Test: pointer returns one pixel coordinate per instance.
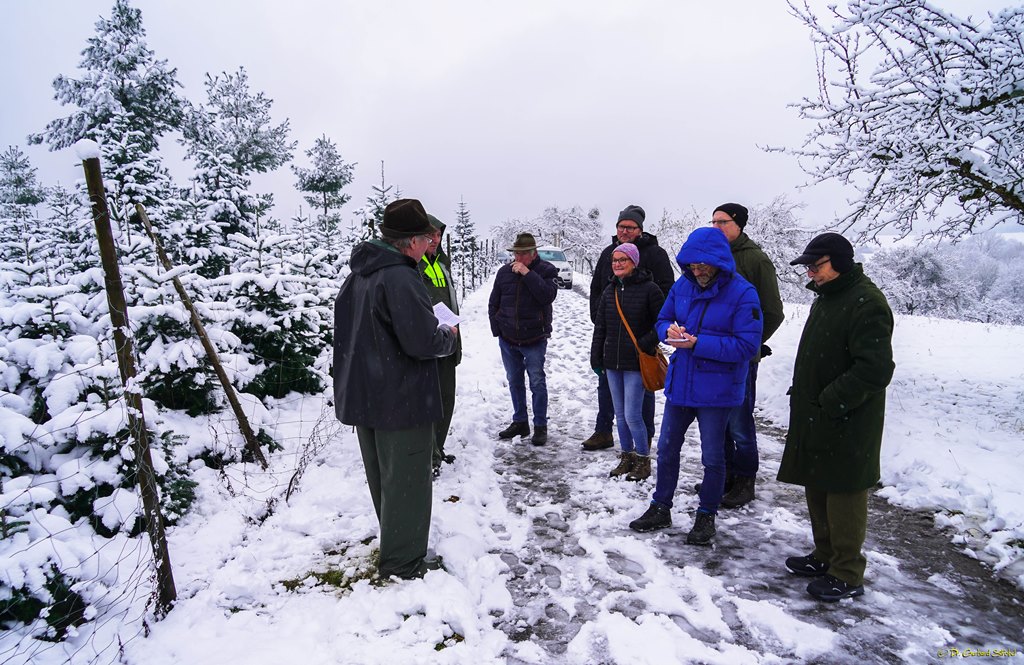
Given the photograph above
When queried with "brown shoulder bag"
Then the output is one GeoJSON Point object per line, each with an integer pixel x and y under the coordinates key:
{"type": "Point", "coordinates": [652, 367]}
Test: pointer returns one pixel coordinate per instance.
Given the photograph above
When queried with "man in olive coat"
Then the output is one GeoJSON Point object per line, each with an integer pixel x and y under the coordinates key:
{"type": "Point", "coordinates": [386, 342]}
{"type": "Point", "coordinates": [436, 268]}
{"type": "Point", "coordinates": [837, 410]}
{"type": "Point", "coordinates": [741, 457]}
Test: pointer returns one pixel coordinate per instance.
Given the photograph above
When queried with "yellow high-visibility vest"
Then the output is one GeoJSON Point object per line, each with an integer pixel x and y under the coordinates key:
{"type": "Point", "coordinates": [435, 273]}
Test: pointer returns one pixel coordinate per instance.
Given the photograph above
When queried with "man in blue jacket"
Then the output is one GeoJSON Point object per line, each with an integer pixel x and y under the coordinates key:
{"type": "Point", "coordinates": [519, 310]}
{"type": "Point", "coordinates": [713, 319]}
{"type": "Point", "coordinates": [386, 345]}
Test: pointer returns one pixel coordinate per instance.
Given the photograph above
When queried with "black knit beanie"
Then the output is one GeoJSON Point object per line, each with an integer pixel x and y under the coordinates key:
{"type": "Point", "coordinates": [736, 211]}
{"type": "Point", "coordinates": [633, 213]}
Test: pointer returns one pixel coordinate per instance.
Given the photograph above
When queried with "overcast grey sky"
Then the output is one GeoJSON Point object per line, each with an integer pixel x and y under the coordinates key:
{"type": "Point", "coordinates": [513, 106]}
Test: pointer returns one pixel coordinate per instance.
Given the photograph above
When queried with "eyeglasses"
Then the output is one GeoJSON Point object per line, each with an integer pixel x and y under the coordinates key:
{"type": "Point", "coordinates": [813, 268]}
{"type": "Point", "coordinates": [700, 267]}
{"type": "Point", "coordinates": [722, 222]}
{"type": "Point", "coordinates": [627, 227]}
{"type": "Point", "coordinates": [621, 261]}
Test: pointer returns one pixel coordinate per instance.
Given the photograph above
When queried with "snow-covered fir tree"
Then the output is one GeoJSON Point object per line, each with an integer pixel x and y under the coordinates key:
{"type": "Point", "coordinates": [125, 99]}
{"type": "Point", "coordinates": [322, 188]}
{"type": "Point", "coordinates": [274, 315]}
{"type": "Point", "coordinates": [468, 267]}
{"type": "Point", "coordinates": [372, 214]}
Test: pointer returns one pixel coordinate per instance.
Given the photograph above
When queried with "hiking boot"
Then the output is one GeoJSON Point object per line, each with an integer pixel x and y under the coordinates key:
{"type": "Point", "coordinates": [703, 529]}
{"type": "Point", "coordinates": [514, 430]}
{"type": "Point", "coordinates": [741, 494]}
{"type": "Point", "coordinates": [831, 589]}
{"type": "Point", "coordinates": [806, 566]}
{"type": "Point", "coordinates": [626, 462]}
{"type": "Point", "coordinates": [656, 517]}
{"type": "Point", "coordinates": [599, 441]}
{"type": "Point", "coordinates": [729, 481]}
{"type": "Point", "coordinates": [424, 566]}
{"type": "Point", "coordinates": [540, 435]}
{"type": "Point", "coordinates": [641, 469]}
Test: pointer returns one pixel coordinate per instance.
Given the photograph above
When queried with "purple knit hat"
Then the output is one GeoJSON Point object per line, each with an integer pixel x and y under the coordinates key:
{"type": "Point", "coordinates": [630, 250]}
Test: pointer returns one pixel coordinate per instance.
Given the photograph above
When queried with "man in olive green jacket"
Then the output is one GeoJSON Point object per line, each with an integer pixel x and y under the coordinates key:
{"type": "Point", "coordinates": [741, 457]}
{"type": "Point", "coordinates": [435, 266]}
{"type": "Point", "coordinates": [837, 410]}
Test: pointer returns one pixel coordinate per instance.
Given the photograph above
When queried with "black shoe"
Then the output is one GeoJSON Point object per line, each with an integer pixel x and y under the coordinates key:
{"type": "Point", "coordinates": [599, 441]}
{"type": "Point", "coordinates": [422, 568]}
{"type": "Point", "coordinates": [806, 566]}
{"type": "Point", "coordinates": [831, 589]}
{"type": "Point", "coordinates": [741, 494]}
{"type": "Point", "coordinates": [515, 429]}
{"type": "Point", "coordinates": [540, 435]}
{"type": "Point", "coordinates": [436, 471]}
{"type": "Point", "coordinates": [448, 459]}
{"type": "Point", "coordinates": [656, 517]}
{"type": "Point", "coordinates": [729, 481]}
{"type": "Point", "coordinates": [703, 529]}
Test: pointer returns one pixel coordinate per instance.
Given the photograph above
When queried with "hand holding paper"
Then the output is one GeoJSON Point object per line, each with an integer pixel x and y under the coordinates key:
{"type": "Point", "coordinates": [445, 316]}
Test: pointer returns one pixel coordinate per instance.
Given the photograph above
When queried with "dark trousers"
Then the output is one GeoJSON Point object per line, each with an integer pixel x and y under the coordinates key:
{"type": "Point", "coordinates": [839, 523]}
{"type": "Point", "coordinates": [397, 464]}
{"type": "Point", "coordinates": [446, 374]}
{"type": "Point", "coordinates": [741, 457]}
{"type": "Point", "coordinates": [606, 409]}
{"type": "Point", "coordinates": [711, 423]}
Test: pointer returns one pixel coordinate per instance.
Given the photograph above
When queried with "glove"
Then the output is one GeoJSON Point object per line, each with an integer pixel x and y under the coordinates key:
{"type": "Point", "coordinates": [765, 350]}
{"type": "Point", "coordinates": [598, 370]}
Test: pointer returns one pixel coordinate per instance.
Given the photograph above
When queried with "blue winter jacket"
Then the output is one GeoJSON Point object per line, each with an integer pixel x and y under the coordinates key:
{"type": "Point", "coordinates": [725, 318]}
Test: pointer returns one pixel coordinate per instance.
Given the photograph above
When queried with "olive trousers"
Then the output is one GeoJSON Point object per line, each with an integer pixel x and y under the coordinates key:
{"type": "Point", "coordinates": [446, 375]}
{"type": "Point", "coordinates": [839, 523]}
{"type": "Point", "coordinates": [397, 464]}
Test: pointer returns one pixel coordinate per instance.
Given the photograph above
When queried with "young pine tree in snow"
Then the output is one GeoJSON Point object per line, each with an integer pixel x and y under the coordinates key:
{"type": "Point", "coordinates": [372, 214]}
{"type": "Point", "coordinates": [232, 138]}
{"type": "Point", "coordinates": [125, 99]}
{"type": "Point", "coordinates": [321, 186]}
{"type": "Point", "coordinates": [467, 268]}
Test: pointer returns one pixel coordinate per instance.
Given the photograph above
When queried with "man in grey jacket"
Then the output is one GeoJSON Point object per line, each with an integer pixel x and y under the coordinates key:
{"type": "Point", "coordinates": [386, 342]}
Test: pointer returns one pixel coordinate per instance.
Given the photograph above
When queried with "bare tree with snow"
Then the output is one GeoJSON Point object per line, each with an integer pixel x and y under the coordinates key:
{"type": "Point", "coordinates": [922, 111]}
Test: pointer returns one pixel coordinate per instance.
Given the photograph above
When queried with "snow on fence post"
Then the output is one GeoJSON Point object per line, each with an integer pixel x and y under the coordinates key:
{"type": "Point", "coordinates": [251, 444]}
{"type": "Point", "coordinates": [144, 474]}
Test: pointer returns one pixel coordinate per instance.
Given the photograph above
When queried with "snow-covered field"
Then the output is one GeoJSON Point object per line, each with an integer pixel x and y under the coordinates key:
{"type": "Point", "coordinates": [540, 565]}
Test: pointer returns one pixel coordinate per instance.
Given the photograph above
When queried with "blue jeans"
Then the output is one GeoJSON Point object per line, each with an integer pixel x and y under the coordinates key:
{"type": "Point", "coordinates": [527, 359]}
{"type": "Point", "coordinates": [627, 390]}
{"type": "Point", "coordinates": [741, 433]}
{"type": "Point", "coordinates": [606, 408]}
{"type": "Point", "coordinates": [711, 420]}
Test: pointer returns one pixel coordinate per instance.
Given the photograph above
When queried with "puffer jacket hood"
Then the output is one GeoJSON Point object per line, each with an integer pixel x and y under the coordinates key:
{"type": "Point", "coordinates": [706, 245]}
{"type": "Point", "coordinates": [373, 255]}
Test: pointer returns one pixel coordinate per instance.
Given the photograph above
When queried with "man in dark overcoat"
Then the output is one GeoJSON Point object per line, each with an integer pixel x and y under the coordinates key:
{"type": "Point", "coordinates": [629, 228]}
{"type": "Point", "coordinates": [837, 411]}
{"type": "Point", "coordinates": [386, 342]}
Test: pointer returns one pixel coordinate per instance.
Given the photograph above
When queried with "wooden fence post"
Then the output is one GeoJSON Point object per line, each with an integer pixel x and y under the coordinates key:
{"type": "Point", "coordinates": [144, 474]}
{"type": "Point", "coordinates": [251, 444]}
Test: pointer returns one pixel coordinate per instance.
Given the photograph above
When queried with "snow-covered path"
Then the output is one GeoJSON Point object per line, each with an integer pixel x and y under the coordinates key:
{"type": "Point", "coordinates": [540, 565]}
{"type": "Point", "coordinates": [588, 589]}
